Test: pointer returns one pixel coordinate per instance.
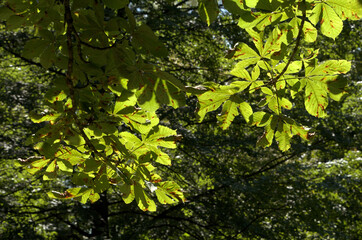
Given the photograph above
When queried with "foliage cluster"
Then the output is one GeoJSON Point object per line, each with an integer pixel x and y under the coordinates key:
{"type": "Point", "coordinates": [118, 92]}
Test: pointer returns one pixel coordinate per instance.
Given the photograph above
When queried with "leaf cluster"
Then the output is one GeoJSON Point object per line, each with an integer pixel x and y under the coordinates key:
{"type": "Point", "coordinates": [102, 127]}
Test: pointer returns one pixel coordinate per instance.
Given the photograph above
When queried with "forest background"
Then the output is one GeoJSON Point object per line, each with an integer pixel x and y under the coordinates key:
{"type": "Point", "coordinates": [228, 184]}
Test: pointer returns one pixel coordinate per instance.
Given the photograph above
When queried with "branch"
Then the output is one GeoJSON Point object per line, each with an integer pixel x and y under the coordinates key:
{"type": "Point", "coordinates": [73, 226]}
{"type": "Point", "coordinates": [31, 62]}
{"type": "Point", "coordinates": [265, 168]}
{"type": "Point", "coordinates": [69, 21]}
{"type": "Point", "coordinates": [297, 43]}
{"type": "Point", "coordinates": [69, 80]}
{"type": "Point", "coordinates": [260, 216]}
{"type": "Point", "coordinates": [20, 188]}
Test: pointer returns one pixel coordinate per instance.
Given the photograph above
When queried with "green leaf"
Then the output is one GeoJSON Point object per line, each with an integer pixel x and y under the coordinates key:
{"type": "Point", "coordinates": [81, 178]}
{"type": "Point", "coordinates": [132, 143]}
{"type": "Point", "coordinates": [330, 67]}
{"type": "Point", "coordinates": [336, 88]}
{"type": "Point", "coordinates": [146, 41]}
{"type": "Point", "coordinates": [162, 197]}
{"type": "Point", "coordinates": [241, 72]}
{"type": "Point", "coordinates": [260, 20]}
{"type": "Point", "coordinates": [47, 149]}
{"type": "Point", "coordinates": [267, 138]}
{"type": "Point", "coordinates": [316, 99]}
{"type": "Point", "coordinates": [101, 183]}
{"type": "Point", "coordinates": [35, 48]}
{"type": "Point", "coordinates": [257, 37]}
{"type": "Point", "coordinates": [331, 23]}
{"type": "Point", "coordinates": [310, 32]}
{"type": "Point", "coordinates": [90, 165]}
{"type": "Point", "coordinates": [208, 10]}
{"type": "Point", "coordinates": [172, 190]}
{"type": "Point", "coordinates": [293, 26]}
{"type": "Point", "coordinates": [212, 100]}
{"type": "Point", "coordinates": [299, 130]}
{"type": "Point", "coordinates": [131, 19]}
{"type": "Point", "coordinates": [64, 165]}
{"type": "Point", "coordinates": [246, 110]}
{"type": "Point", "coordinates": [159, 88]}
{"type": "Point", "coordinates": [317, 79]}
{"type": "Point", "coordinates": [74, 138]}
{"type": "Point", "coordinates": [14, 22]}
{"type": "Point", "coordinates": [267, 91]}
{"type": "Point", "coordinates": [128, 194]}
{"type": "Point", "coordinates": [234, 6]}
{"type": "Point", "coordinates": [71, 155]}
{"type": "Point", "coordinates": [51, 167]}
{"type": "Point", "coordinates": [85, 196]}
{"type": "Point", "coordinates": [82, 194]}
{"type": "Point", "coordinates": [38, 165]}
{"type": "Point", "coordinates": [248, 19]}
{"type": "Point", "coordinates": [283, 136]}
{"type": "Point", "coordinates": [159, 136]}
{"type": "Point", "coordinates": [48, 57]}
{"type": "Point", "coordinates": [120, 89]}
{"type": "Point", "coordinates": [54, 95]}
{"type": "Point", "coordinates": [347, 9]}
{"type": "Point", "coordinates": [260, 119]}
{"type": "Point", "coordinates": [124, 96]}
{"type": "Point", "coordinates": [285, 103]}
{"type": "Point", "coordinates": [93, 197]}
{"type": "Point", "coordinates": [38, 118]}
{"type": "Point", "coordinates": [143, 201]}
{"type": "Point", "coordinates": [247, 54]}
{"type": "Point", "coordinates": [139, 120]}
{"type": "Point", "coordinates": [294, 67]}
{"type": "Point", "coordinates": [162, 158]}
{"type": "Point", "coordinates": [229, 112]}
{"type": "Point", "coordinates": [273, 103]}
{"type": "Point", "coordinates": [273, 43]}
{"type": "Point", "coordinates": [5, 13]}
{"type": "Point", "coordinates": [255, 73]}
{"type": "Point", "coordinates": [270, 5]}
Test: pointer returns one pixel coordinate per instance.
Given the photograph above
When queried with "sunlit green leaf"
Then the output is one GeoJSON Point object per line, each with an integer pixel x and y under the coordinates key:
{"type": "Point", "coordinates": [331, 23]}
{"type": "Point", "coordinates": [229, 112]}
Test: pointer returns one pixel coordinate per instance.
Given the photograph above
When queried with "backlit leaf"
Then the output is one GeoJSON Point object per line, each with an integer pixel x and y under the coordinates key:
{"type": "Point", "coordinates": [208, 10]}
{"type": "Point", "coordinates": [283, 136]}
{"type": "Point", "coordinates": [331, 23]}
{"type": "Point", "coordinates": [246, 110]}
{"type": "Point", "coordinates": [347, 9]}
{"type": "Point", "coordinates": [143, 200]}
{"type": "Point", "coordinates": [229, 112]}
{"type": "Point", "coordinates": [316, 99]}
{"type": "Point", "coordinates": [212, 100]}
